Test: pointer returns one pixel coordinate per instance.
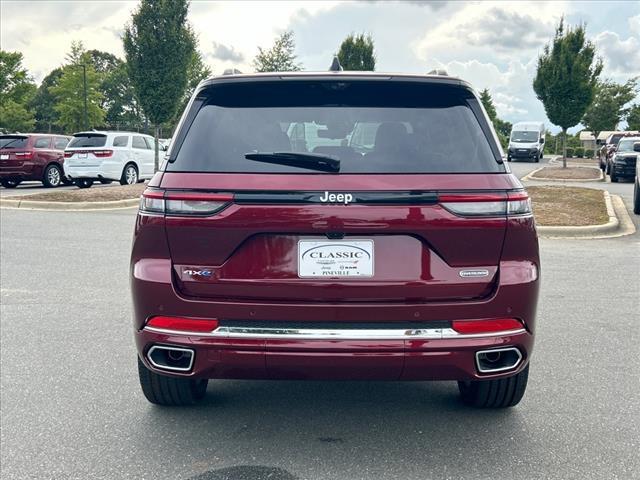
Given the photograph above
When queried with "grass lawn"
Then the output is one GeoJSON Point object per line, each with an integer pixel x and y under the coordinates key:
{"type": "Point", "coordinates": [571, 173]}
{"type": "Point", "coordinates": [568, 206]}
{"type": "Point", "coordinates": [93, 194]}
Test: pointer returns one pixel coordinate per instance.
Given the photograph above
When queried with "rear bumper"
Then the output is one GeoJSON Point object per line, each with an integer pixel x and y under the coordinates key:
{"type": "Point", "coordinates": [27, 171]}
{"type": "Point", "coordinates": [380, 358]}
{"type": "Point", "coordinates": [109, 172]}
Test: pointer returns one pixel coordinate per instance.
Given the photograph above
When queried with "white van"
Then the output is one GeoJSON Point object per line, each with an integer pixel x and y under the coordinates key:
{"type": "Point", "coordinates": [126, 157]}
{"type": "Point", "coordinates": [526, 141]}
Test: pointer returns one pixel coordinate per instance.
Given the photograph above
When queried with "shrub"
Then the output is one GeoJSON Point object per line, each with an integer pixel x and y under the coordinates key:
{"type": "Point", "coordinates": [579, 152]}
{"type": "Point", "coordinates": [569, 152]}
{"type": "Point", "coordinates": [588, 153]}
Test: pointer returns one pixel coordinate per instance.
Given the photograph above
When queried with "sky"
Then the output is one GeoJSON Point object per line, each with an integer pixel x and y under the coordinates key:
{"type": "Point", "coordinates": [492, 45]}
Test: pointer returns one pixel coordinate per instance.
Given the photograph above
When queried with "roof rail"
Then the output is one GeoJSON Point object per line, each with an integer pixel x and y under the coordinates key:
{"type": "Point", "coordinates": [231, 71]}
{"type": "Point", "coordinates": [438, 71]}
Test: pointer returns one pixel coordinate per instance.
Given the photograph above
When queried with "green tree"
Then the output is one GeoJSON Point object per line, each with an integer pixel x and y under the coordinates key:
{"type": "Point", "coordinates": [159, 46]}
{"type": "Point", "coordinates": [44, 103]}
{"type": "Point", "coordinates": [17, 91]}
{"type": "Point", "coordinates": [278, 58]}
{"type": "Point", "coordinates": [608, 107]}
{"type": "Point", "coordinates": [357, 53]}
{"type": "Point", "coordinates": [69, 92]}
{"type": "Point", "coordinates": [503, 128]}
{"type": "Point", "coordinates": [120, 103]}
{"type": "Point", "coordinates": [633, 117]}
{"type": "Point", "coordinates": [566, 78]}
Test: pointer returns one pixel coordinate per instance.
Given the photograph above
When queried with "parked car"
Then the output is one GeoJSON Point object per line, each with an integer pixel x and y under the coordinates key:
{"type": "Point", "coordinates": [609, 147]}
{"type": "Point", "coordinates": [526, 141]}
{"type": "Point", "coordinates": [417, 260]}
{"type": "Point", "coordinates": [636, 184]}
{"type": "Point", "coordinates": [32, 156]}
{"type": "Point", "coordinates": [622, 162]}
{"type": "Point", "coordinates": [126, 157]}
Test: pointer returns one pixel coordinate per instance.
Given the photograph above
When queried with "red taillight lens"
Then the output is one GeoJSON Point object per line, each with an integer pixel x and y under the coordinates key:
{"type": "Point", "coordinates": [24, 155]}
{"type": "Point", "coordinates": [102, 153]}
{"type": "Point", "coordinates": [184, 203]}
{"type": "Point", "coordinates": [486, 326]}
{"type": "Point", "coordinates": [487, 205]}
{"type": "Point", "coordinates": [198, 325]}
{"type": "Point", "coordinates": [68, 154]}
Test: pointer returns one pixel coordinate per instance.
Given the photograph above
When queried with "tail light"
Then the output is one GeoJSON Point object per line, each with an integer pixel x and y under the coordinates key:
{"type": "Point", "coordinates": [494, 325]}
{"type": "Point", "coordinates": [198, 325]}
{"type": "Point", "coordinates": [23, 155]}
{"type": "Point", "coordinates": [487, 205]}
{"type": "Point", "coordinates": [102, 153]}
{"type": "Point", "coordinates": [184, 203]}
{"type": "Point", "coordinates": [97, 153]}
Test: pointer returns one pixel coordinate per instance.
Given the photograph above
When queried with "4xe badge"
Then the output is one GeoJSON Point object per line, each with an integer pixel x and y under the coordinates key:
{"type": "Point", "coordinates": [197, 272]}
{"type": "Point", "coordinates": [345, 198]}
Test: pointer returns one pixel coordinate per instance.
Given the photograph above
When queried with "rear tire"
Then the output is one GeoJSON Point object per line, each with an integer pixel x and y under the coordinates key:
{"type": "Point", "coordinates": [10, 183]}
{"type": "Point", "coordinates": [498, 393]}
{"type": "Point", "coordinates": [636, 197]}
{"type": "Point", "coordinates": [170, 391]}
{"type": "Point", "coordinates": [52, 177]}
{"type": "Point", "coordinates": [84, 183]}
{"type": "Point", "coordinates": [129, 175]}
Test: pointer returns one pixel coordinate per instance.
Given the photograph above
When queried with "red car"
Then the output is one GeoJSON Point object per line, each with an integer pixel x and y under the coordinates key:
{"type": "Point", "coordinates": [335, 226]}
{"type": "Point", "coordinates": [32, 156]}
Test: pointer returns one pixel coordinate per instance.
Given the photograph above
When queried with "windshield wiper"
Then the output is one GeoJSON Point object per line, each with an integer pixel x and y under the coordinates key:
{"type": "Point", "coordinates": [312, 161]}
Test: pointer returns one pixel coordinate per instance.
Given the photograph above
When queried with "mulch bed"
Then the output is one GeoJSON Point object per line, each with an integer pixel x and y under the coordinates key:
{"type": "Point", "coordinates": [569, 173]}
{"type": "Point", "coordinates": [93, 194]}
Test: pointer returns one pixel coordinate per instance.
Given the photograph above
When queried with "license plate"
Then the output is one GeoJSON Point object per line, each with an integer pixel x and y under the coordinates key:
{"type": "Point", "coordinates": [4, 157]}
{"type": "Point", "coordinates": [82, 156]}
{"type": "Point", "coordinates": [335, 258]}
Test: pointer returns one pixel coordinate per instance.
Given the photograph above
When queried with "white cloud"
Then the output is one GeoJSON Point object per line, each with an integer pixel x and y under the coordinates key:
{"type": "Point", "coordinates": [620, 56]}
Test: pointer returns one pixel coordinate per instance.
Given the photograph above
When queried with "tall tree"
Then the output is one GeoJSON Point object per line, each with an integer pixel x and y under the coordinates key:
{"type": "Point", "coordinates": [280, 57]}
{"type": "Point", "coordinates": [357, 53]}
{"type": "Point", "coordinates": [44, 103]}
{"type": "Point", "coordinates": [487, 103]}
{"type": "Point", "coordinates": [608, 107]}
{"type": "Point", "coordinates": [503, 128]}
{"type": "Point", "coordinates": [633, 117]}
{"type": "Point", "coordinates": [69, 92]}
{"type": "Point", "coordinates": [566, 78]}
{"type": "Point", "coordinates": [159, 47]}
{"type": "Point", "coordinates": [17, 91]}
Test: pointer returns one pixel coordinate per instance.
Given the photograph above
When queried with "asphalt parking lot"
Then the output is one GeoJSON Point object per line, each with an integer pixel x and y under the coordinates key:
{"type": "Point", "coordinates": [71, 407]}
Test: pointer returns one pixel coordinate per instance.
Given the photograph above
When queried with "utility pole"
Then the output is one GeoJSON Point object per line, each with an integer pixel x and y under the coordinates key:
{"type": "Point", "coordinates": [84, 72]}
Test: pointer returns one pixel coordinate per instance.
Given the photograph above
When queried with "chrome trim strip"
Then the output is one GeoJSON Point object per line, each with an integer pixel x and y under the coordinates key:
{"type": "Point", "coordinates": [502, 369]}
{"type": "Point", "coordinates": [334, 334]}
{"type": "Point", "coordinates": [167, 347]}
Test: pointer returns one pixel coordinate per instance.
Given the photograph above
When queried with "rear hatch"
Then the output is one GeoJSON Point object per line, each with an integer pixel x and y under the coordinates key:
{"type": "Point", "coordinates": [86, 150]}
{"type": "Point", "coordinates": [351, 191]}
{"type": "Point", "coordinates": [14, 151]}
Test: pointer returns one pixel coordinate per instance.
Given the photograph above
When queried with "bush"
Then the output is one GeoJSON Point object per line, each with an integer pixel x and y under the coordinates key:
{"type": "Point", "coordinates": [569, 152]}
{"type": "Point", "coordinates": [579, 152]}
{"type": "Point", "coordinates": [588, 153]}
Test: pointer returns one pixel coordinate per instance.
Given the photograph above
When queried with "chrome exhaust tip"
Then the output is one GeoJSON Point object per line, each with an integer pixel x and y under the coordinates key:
{"type": "Point", "coordinates": [498, 360]}
{"type": "Point", "coordinates": [174, 359]}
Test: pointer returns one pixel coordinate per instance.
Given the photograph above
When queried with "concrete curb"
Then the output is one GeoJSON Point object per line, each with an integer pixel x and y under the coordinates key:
{"type": "Point", "coordinates": [68, 206]}
{"type": "Point", "coordinates": [530, 177]}
{"type": "Point", "coordinates": [606, 230]}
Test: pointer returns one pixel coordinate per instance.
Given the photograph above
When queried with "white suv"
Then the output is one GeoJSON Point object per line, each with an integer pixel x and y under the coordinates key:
{"type": "Point", "coordinates": [126, 157]}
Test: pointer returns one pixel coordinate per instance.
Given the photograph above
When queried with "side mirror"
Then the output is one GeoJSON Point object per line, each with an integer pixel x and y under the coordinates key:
{"type": "Point", "coordinates": [636, 147]}
{"type": "Point", "coordinates": [541, 139]}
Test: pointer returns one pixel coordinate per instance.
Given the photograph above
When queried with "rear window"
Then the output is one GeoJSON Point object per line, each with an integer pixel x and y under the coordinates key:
{"type": "Point", "coordinates": [79, 141]}
{"type": "Point", "coordinates": [370, 126]}
{"type": "Point", "coordinates": [13, 142]}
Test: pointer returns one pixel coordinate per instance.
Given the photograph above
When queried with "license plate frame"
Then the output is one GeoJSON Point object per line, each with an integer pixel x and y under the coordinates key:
{"type": "Point", "coordinates": [4, 156]}
{"type": "Point", "coordinates": [331, 259]}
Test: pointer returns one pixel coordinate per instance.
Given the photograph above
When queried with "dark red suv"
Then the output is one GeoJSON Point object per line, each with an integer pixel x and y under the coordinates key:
{"type": "Point", "coordinates": [32, 156]}
{"type": "Point", "coordinates": [335, 226]}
